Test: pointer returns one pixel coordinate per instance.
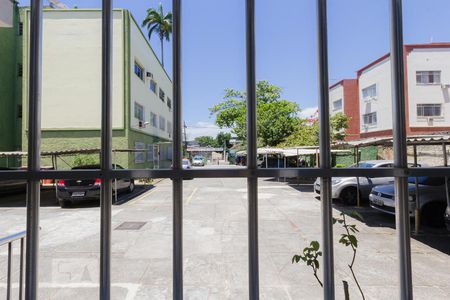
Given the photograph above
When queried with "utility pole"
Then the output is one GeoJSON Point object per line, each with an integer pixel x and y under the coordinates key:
{"type": "Point", "coordinates": [185, 138]}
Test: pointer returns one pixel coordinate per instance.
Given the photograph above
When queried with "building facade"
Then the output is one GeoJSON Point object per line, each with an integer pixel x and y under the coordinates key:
{"type": "Point", "coordinates": [10, 85]}
{"type": "Point", "coordinates": [71, 87]}
{"type": "Point", "coordinates": [344, 99]}
{"type": "Point", "coordinates": [427, 86]}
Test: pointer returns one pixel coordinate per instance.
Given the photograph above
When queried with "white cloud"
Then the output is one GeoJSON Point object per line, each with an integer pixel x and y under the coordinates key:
{"type": "Point", "coordinates": [308, 112]}
{"type": "Point", "coordinates": [203, 129]}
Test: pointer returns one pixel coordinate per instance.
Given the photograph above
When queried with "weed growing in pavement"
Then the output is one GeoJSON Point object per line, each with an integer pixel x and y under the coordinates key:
{"type": "Point", "coordinates": [312, 252]}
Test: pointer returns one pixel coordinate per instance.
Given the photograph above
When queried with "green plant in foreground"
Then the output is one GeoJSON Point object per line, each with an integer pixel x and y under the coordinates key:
{"type": "Point", "coordinates": [348, 239]}
{"type": "Point", "coordinates": [310, 255]}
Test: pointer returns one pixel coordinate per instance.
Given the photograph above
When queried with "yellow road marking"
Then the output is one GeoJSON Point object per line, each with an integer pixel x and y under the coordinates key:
{"type": "Point", "coordinates": [190, 196]}
{"type": "Point", "coordinates": [134, 201]}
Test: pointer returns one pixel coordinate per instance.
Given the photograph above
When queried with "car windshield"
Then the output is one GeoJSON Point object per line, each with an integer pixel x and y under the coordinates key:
{"type": "Point", "coordinates": [185, 162]}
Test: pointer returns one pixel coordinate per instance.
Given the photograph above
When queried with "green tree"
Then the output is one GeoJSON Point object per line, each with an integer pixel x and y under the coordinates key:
{"type": "Point", "coordinates": [206, 141]}
{"type": "Point", "coordinates": [223, 138]}
{"type": "Point", "coordinates": [276, 117]}
{"type": "Point", "coordinates": [307, 134]}
{"type": "Point", "coordinates": [161, 23]}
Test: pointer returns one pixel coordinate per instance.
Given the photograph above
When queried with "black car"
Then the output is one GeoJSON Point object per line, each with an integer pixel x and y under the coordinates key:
{"type": "Point", "coordinates": [73, 190]}
{"type": "Point", "coordinates": [11, 186]}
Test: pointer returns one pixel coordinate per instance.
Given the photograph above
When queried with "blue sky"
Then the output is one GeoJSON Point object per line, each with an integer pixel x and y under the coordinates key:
{"type": "Point", "coordinates": [214, 44]}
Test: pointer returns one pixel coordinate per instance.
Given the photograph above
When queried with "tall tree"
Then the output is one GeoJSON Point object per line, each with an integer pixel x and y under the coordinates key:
{"type": "Point", "coordinates": [276, 117]}
{"type": "Point", "coordinates": [307, 133]}
{"type": "Point", "coordinates": [206, 141]}
{"type": "Point", "coordinates": [161, 23]}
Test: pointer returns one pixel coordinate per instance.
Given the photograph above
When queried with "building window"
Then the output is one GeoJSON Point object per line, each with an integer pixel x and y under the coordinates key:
{"type": "Point", "coordinates": [428, 77]}
{"type": "Point", "coordinates": [150, 152]}
{"type": "Point", "coordinates": [153, 86]}
{"type": "Point", "coordinates": [169, 103]}
{"type": "Point", "coordinates": [162, 95]}
{"type": "Point", "coordinates": [139, 156]}
{"type": "Point", "coordinates": [19, 111]}
{"type": "Point", "coordinates": [370, 91]}
{"type": "Point", "coordinates": [20, 29]}
{"type": "Point", "coordinates": [429, 110]}
{"type": "Point", "coordinates": [169, 127]}
{"type": "Point", "coordinates": [370, 119]}
{"type": "Point", "coordinates": [162, 123]}
{"type": "Point", "coordinates": [138, 111]}
{"type": "Point", "coordinates": [153, 120]}
{"type": "Point", "coordinates": [19, 70]}
{"type": "Point", "coordinates": [139, 71]}
{"type": "Point", "coordinates": [337, 105]}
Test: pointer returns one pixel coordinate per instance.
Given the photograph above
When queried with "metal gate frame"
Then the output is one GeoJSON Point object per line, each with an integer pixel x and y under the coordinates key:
{"type": "Point", "coordinates": [400, 170]}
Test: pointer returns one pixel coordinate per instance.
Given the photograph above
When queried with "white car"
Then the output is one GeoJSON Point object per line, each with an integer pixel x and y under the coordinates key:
{"type": "Point", "coordinates": [186, 164]}
{"type": "Point", "coordinates": [345, 188]}
{"type": "Point", "coordinates": [198, 161]}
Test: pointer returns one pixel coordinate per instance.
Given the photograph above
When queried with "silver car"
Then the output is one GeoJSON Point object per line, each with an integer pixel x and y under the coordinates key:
{"type": "Point", "coordinates": [432, 199]}
{"type": "Point", "coordinates": [345, 188]}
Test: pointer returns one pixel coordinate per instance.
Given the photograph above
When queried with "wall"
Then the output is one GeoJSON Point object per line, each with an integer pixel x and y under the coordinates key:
{"type": "Point", "coordinates": [141, 52]}
{"type": "Point", "coordinates": [351, 108]}
{"type": "Point", "coordinates": [336, 93]}
{"type": "Point", "coordinates": [71, 64]}
{"type": "Point", "coordinates": [379, 74]}
{"type": "Point", "coordinates": [8, 75]}
{"type": "Point", "coordinates": [429, 59]}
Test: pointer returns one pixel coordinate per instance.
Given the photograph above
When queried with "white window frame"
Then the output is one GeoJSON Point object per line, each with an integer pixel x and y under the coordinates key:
{"type": "Point", "coordinates": [137, 64]}
{"type": "Point", "coordinates": [367, 88]}
{"type": "Point", "coordinates": [139, 156]}
{"type": "Point", "coordinates": [162, 123]}
{"type": "Point", "coordinates": [341, 105]}
{"type": "Point", "coordinates": [154, 119]}
{"type": "Point", "coordinates": [425, 77]}
{"type": "Point", "coordinates": [371, 115]}
{"type": "Point", "coordinates": [422, 106]}
{"type": "Point", "coordinates": [137, 105]}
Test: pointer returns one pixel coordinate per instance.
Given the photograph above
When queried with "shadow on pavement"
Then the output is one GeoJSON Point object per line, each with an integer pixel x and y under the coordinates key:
{"type": "Point", "coordinates": [48, 198]}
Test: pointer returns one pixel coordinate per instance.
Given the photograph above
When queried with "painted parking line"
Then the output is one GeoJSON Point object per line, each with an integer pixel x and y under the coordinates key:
{"type": "Point", "coordinates": [134, 201]}
{"type": "Point", "coordinates": [190, 196]}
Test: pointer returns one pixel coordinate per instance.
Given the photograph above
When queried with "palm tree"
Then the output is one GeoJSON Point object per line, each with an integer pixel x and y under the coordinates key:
{"type": "Point", "coordinates": [157, 21]}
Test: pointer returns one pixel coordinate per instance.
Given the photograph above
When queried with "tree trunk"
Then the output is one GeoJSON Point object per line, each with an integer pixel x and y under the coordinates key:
{"type": "Point", "coordinates": [162, 51]}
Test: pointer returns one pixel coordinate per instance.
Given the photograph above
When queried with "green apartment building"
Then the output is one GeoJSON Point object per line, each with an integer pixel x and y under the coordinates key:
{"type": "Point", "coordinates": [71, 88]}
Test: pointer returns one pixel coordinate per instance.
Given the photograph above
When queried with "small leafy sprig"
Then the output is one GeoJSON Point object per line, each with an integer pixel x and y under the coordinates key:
{"type": "Point", "coordinates": [349, 239]}
{"type": "Point", "coordinates": [310, 255]}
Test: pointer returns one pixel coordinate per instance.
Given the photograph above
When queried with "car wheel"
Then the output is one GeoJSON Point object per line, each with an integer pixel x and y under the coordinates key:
{"type": "Point", "coordinates": [131, 187]}
{"type": "Point", "coordinates": [349, 196]}
{"type": "Point", "coordinates": [433, 214]}
{"type": "Point", "coordinates": [64, 203]}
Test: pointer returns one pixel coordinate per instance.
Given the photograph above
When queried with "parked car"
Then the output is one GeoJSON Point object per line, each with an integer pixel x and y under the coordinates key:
{"type": "Point", "coordinates": [198, 161]}
{"type": "Point", "coordinates": [447, 217]}
{"type": "Point", "coordinates": [186, 164]}
{"type": "Point", "coordinates": [10, 186]}
{"type": "Point", "coordinates": [345, 188]}
{"type": "Point", "coordinates": [72, 190]}
{"type": "Point", "coordinates": [432, 199]}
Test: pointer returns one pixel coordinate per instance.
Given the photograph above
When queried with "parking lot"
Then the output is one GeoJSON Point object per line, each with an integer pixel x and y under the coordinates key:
{"type": "Point", "coordinates": [215, 245]}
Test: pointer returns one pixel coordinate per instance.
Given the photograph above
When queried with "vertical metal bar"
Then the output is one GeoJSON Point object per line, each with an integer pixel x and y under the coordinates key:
{"type": "Point", "coordinates": [416, 183]}
{"type": "Point", "coordinates": [177, 183]}
{"type": "Point", "coordinates": [447, 188]}
{"type": "Point", "coordinates": [400, 150]}
{"type": "Point", "coordinates": [22, 242]}
{"type": "Point", "coordinates": [34, 148]}
{"type": "Point", "coordinates": [325, 153]}
{"type": "Point", "coordinates": [8, 278]}
{"type": "Point", "coordinates": [252, 181]}
{"type": "Point", "coordinates": [106, 152]}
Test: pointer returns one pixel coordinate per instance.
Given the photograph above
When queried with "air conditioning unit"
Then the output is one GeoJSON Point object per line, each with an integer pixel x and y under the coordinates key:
{"type": "Point", "coordinates": [430, 121]}
{"type": "Point", "coordinates": [149, 75]}
{"type": "Point", "coordinates": [365, 126]}
{"type": "Point", "coordinates": [445, 85]}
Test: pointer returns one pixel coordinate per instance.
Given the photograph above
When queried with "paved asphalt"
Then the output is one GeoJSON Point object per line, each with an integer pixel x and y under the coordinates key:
{"type": "Point", "coordinates": [215, 246]}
